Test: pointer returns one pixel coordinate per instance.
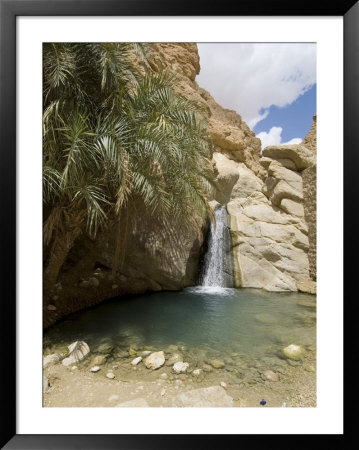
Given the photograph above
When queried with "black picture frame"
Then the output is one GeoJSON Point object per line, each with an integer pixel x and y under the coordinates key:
{"type": "Point", "coordinates": [9, 10]}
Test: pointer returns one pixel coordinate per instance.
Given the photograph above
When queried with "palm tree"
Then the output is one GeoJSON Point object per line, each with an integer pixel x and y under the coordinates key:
{"type": "Point", "coordinates": [117, 146]}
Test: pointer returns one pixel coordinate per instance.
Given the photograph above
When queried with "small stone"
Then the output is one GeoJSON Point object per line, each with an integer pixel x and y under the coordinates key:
{"type": "Point", "coordinates": [164, 376]}
{"type": "Point", "coordinates": [77, 351]}
{"type": "Point", "coordinates": [262, 402]}
{"type": "Point", "coordinates": [180, 367]}
{"type": "Point", "coordinates": [197, 372]}
{"type": "Point", "coordinates": [146, 352]}
{"type": "Point", "coordinates": [114, 286]}
{"type": "Point", "coordinates": [223, 384]}
{"type": "Point", "coordinates": [179, 383]}
{"type": "Point", "coordinates": [110, 375]}
{"type": "Point", "coordinates": [123, 278]}
{"type": "Point", "coordinates": [95, 369]}
{"type": "Point", "coordinates": [293, 351]}
{"type": "Point", "coordinates": [51, 308]}
{"type": "Point", "coordinates": [94, 282]}
{"type": "Point", "coordinates": [132, 352]}
{"type": "Point", "coordinates": [84, 284]}
{"type": "Point", "coordinates": [271, 376]}
{"type": "Point", "coordinates": [217, 364]}
{"type": "Point", "coordinates": [207, 368]}
{"type": "Point", "coordinates": [113, 398]}
{"type": "Point", "coordinates": [163, 392]}
{"type": "Point", "coordinates": [73, 367]}
{"type": "Point", "coordinates": [155, 360]}
{"type": "Point", "coordinates": [310, 369]}
{"type": "Point", "coordinates": [55, 297]}
{"type": "Point", "coordinates": [136, 361]}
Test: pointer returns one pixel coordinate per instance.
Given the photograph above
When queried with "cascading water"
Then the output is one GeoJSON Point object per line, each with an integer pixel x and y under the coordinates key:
{"type": "Point", "coordinates": [217, 265]}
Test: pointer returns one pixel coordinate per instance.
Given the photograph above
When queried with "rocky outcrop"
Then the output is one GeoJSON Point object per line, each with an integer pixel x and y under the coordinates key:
{"type": "Point", "coordinates": [310, 141]}
{"type": "Point", "coordinates": [310, 199]}
{"type": "Point", "coordinates": [229, 133]}
{"type": "Point", "coordinates": [270, 218]}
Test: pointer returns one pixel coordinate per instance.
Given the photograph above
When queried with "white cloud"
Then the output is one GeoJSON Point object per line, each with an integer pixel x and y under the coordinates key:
{"type": "Point", "coordinates": [274, 137]}
{"type": "Point", "coordinates": [250, 77]}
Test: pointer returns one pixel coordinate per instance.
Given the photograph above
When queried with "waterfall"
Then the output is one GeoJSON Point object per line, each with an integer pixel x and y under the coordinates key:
{"type": "Point", "coordinates": [217, 265]}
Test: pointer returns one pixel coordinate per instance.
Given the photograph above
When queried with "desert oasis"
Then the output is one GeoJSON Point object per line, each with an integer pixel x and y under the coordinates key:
{"type": "Point", "coordinates": [179, 254]}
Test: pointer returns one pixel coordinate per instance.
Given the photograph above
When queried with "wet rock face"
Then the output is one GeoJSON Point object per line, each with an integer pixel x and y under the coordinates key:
{"type": "Point", "coordinates": [269, 233]}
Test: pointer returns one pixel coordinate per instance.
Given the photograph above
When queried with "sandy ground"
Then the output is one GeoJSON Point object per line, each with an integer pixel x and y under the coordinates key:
{"type": "Point", "coordinates": [78, 387]}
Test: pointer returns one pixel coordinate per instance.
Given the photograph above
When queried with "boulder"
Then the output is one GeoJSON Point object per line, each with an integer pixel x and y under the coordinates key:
{"type": "Point", "coordinates": [226, 178]}
{"type": "Point", "coordinates": [180, 367]}
{"type": "Point", "coordinates": [136, 361]}
{"type": "Point", "coordinates": [293, 351]}
{"type": "Point", "coordinates": [77, 351]}
{"type": "Point", "coordinates": [204, 397]}
{"type": "Point", "coordinates": [155, 360]}
{"type": "Point", "coordinates": [298, 154]}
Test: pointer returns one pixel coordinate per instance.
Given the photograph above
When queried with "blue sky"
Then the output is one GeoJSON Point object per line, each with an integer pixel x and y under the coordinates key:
{"type": "Point", "coordinates": [271, 85]}
{"type": "Point", "coordinates": [294, 120]}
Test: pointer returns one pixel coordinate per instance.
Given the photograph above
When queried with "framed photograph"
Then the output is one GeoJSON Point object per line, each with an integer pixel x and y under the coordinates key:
{"type": "Point", "coordinates": [173, 225]}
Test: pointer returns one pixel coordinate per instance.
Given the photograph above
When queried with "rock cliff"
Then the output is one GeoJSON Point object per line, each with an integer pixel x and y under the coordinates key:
{"type": "Point", "coordinates": [270, 199]}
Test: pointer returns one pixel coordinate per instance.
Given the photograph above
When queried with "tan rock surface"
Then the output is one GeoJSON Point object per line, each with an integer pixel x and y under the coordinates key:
{"type": "Point", "coordinates": [298, 154]}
